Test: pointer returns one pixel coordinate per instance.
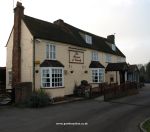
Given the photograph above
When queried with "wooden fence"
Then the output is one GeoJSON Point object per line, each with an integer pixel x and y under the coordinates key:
{"type": "Point", "coordinates": [97, 91]}
{"type": "Point", "coordinates": [113, 91]}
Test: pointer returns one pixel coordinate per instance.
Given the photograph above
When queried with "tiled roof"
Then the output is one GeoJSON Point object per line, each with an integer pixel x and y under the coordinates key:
{"type": "Point", "coordinates": [133, 68]}
{"type": "Point", "coordinates": [96, 64]}
{"type": "Point", "coordinates": [63, 32]}
{"type": "Point", "coordinates": [117, 66]}
{"type": "Point", "coordinates": [51, 63]}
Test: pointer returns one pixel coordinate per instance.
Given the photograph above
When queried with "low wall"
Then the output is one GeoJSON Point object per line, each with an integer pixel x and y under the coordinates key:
{"type": "Point", "coordinates": [22, 91]}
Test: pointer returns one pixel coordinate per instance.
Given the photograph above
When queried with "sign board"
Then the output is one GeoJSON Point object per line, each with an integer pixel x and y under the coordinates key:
{"type": "Point", "coordinates": [76, 57]}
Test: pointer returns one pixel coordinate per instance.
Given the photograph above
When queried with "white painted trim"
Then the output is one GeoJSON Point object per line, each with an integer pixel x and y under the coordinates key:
{"type": "Point", "coordinates": [50, 72]}
{"type": "Point", "coordinates": [97, 69]}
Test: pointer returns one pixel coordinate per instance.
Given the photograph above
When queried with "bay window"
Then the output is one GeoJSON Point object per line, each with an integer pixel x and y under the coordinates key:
{"type": "Point", "coordinates": [52, 77]}
{"type": "Point", "coordinates": [97, 75]}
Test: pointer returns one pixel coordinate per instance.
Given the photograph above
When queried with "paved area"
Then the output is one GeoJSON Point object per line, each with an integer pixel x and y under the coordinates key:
{"type": "Point", "coordinates": [121, 115]}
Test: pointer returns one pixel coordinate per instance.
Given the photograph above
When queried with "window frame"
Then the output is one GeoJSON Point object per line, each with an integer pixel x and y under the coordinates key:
{"type": "Point", "coordinates": [88, 39]}
{"type": "Point", "coordinates": [95, 56]}
{"type": "Point", "coordinates": [50, 51]}
{"type": "Point", "coordinates": [100, 78]}
{"type": "Point", "coordinates": [50, 69]}
{"type": "Point", "coordinates": [113, 47]}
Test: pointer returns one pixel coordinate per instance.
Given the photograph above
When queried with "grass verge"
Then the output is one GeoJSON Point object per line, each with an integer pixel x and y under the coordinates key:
{"type": "Point", "coordinates": [146, 125]}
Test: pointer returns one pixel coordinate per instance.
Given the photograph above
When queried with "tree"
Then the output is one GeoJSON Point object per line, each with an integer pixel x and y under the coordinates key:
{"type": "Point", "coordinates": [148, 71]}
{"type": "Point", "coordinates": [142, 74]}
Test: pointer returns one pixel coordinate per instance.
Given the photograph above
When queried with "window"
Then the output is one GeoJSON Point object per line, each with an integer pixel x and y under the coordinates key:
{"type": "Point", "coordinates": [97, 75]}
{"type": "Point", "coordinates": [50, 52]}
{"type": "Point", "coordinates": [52, 77]}
{"type": "Point", "coordinates": [94, 56]}
{"type": "Point", "coordinates": [108, 58]}
{"type": "Point", "coordinates": [113, 47]}
{"type": "Point", "coordinates": [88, 39]}
{"type": "Point", "coordinates": [10, 77]}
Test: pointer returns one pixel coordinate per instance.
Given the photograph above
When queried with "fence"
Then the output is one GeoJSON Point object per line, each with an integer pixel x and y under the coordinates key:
{"type": "Point", "coordinates": [97, 91]}
{"type": "Point", "coordinates": [113, 91]}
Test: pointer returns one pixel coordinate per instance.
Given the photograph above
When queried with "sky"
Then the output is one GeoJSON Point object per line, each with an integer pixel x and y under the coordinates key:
{"type": "Point", "coordinates": [128, 19]}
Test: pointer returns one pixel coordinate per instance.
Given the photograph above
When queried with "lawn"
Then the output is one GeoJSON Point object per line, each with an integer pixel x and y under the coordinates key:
{"type": "Point", "coordinates": [146, 125]}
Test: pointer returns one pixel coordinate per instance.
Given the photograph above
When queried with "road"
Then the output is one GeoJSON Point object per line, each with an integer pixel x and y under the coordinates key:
{"type": "Point", "coordinates": [121, 115]}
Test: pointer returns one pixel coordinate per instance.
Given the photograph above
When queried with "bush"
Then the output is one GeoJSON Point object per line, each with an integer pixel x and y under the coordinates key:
{"type": "Point", "coordinates": [83, 90]}
{"type": "Point", "coordinates": [38, 99]}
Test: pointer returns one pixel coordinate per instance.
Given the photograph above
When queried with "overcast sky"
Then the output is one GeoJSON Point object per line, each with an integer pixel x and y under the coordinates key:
{"type": "Point", "coordinates": [128, 19]}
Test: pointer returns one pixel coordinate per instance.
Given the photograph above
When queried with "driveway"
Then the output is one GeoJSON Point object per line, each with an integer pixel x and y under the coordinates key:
{"type": "Point", "coordinates": [121, 115]}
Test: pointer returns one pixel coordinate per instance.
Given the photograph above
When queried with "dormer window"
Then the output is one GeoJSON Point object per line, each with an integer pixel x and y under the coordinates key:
{"type": "Point", "coordinates": [88, 39]}
{"type": "Point", "coordinates": [113, 47]}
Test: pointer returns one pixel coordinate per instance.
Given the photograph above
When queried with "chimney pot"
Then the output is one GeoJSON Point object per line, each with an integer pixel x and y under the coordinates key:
{"type": "Point", "coordinates": [59, 22]}
{"type": "Point", "coordinates": [111, 39]}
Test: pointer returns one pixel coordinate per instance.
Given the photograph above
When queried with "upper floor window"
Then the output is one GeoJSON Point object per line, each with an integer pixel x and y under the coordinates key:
{"type": "Point", "coordinates": [108, 58]}
{"type": "Point", "coordinates": [51, 52]}
{"type": "Point", "coordinates": [88, 39]}
{"type": "Point", "coordinates": [95, 56]}
{"type": "Point", "coordinates": [113, 47]}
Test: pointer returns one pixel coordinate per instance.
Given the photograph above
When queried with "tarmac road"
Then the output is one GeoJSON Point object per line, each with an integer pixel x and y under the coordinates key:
{"type": "Point", "coordinates": [121, 115]}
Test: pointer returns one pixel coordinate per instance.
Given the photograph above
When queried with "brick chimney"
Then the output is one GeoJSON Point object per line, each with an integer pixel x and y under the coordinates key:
{"type": "Point", "coordinates": [16, 53]}
{"type": "Point", "coordinates": [59, 22]}
{"type": "Point", "coordinates": [111, 39]}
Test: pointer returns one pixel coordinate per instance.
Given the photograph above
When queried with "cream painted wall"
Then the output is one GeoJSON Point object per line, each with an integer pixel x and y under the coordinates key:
{"type": "Point", "coordinates": [62, 55]}
{"type": "Point", "coordinates": [70, 79]}
{"type": "Point", "coordinates": [9, 59]}
{"type": "Point", "coordinates": [26, 54]}
{"type": "Point", "coordinates": [115, 75]}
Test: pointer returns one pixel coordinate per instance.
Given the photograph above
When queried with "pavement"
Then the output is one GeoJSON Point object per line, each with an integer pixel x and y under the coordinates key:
{"type": "Point", "coordinates": [95, 115]}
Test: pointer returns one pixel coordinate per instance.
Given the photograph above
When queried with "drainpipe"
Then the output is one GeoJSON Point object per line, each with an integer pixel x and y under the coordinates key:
{"type": "Point", "coordinates": [33, 64]}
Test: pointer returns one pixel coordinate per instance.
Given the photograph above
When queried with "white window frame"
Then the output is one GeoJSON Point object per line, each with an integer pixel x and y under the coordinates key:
{"type": "Point", "coordinates": [88, 39]}
{"type": "Point", "coordinates": [113, 47]}
{"type": "Point", "coordinates": [100, 75]}
{"type": "Point", "coordinates": [50, 70]}
{"type": "Point", "coordinates": [50, 52]}
{"type": "Point", "coordinates": [95, 56]}
{"type": "Point", "coordinates": [108, 58]}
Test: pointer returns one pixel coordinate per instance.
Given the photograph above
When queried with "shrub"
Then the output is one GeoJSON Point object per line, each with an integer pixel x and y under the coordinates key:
{"type": "Point", "coordinates": [38, 99]}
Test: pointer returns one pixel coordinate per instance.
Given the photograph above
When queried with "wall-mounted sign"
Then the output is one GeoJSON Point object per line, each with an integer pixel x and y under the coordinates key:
{"type": "Point", "coordinates": [76, 56]}
{"type": "Point", "coordinates": [37, 62]}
